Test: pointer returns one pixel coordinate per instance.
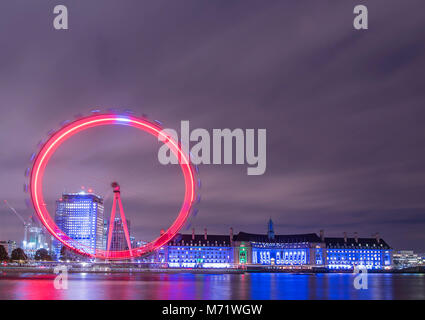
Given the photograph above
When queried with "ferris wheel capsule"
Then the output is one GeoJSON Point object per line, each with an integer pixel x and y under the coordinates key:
{"type": "Point", "coordinates": [128, 111]}
{"type": "Point", "coordinates": [64, 123]}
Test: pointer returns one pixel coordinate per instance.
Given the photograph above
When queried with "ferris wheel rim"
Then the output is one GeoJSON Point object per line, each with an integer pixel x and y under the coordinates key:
{"type": "Point", "coordinates": [71, 128]}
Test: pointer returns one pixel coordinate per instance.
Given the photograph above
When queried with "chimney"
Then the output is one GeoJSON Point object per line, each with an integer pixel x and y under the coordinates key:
{"type": "Point", "coordinates": [356, 237]}
{"type": "Point", "coordinates": [345, 237]}
{"type": "Point", "coordinates": [378, 239]}
{"type": "Point", "coordinates": [193, 233]}
{"type": "Point", "coordinates": [231, 235]}
{"type": "Point", "coordinates": [162, 232]}
{"type": "Point", "coordinates": [322, 235]}
{"type": "Point", "coordinates": [205, 233]}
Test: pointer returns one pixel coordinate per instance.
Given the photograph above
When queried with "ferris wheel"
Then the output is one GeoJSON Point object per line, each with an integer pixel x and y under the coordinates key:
{"type": "Point", "coordinates": [41, 159]}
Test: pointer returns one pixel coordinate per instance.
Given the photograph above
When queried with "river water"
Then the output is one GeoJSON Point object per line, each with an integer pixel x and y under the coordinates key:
{"type": "Point", "coordinates": [212, 286]}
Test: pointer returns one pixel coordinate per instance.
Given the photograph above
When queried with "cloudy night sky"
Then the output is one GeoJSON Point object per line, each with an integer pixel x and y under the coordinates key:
{"type": "Point", "coordinates": [344, 110]}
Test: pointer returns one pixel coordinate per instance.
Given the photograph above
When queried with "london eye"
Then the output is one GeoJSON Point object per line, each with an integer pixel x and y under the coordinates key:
{"type": "Point", "coordinates": [46, 151]}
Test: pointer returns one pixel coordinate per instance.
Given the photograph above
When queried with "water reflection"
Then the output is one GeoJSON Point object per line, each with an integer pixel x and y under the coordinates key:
{"type": "Point", "coordinates": [253, 286]}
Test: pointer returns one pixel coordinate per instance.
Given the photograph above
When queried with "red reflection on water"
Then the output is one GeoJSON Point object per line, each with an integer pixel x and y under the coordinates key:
{"type": "Point", "coordinates": [36, 287]}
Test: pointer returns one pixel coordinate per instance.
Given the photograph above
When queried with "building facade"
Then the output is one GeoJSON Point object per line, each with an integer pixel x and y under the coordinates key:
{"type": "Point", "coordinates": [80, 217]}
{"type": "Point", "coordinates": [198, 251]}
{"type": "Point", "coordinates": [284, 251]}
{"type": "Point", "coordinates": [407, 259]}
{"type": "Point", "coordinates": [118, 241]}
{"type": "Point", "coordinates": [346, 253]}
{"type": "Point", "coordinates": [281, 250]}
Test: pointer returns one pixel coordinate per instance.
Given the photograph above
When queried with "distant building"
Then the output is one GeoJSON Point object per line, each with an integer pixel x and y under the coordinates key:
{"type": "Point", "coordinates": [137, 243]}
{"type": "Point", "coordinates": [406, 259]}
{"type": "Point", "coordinates": [421, 259]}
{"type": "Point", "coordinates": [105, 234]}
{"type": "Point", "coordinates": [9, 245]}
{"type": "Point", "coordinates": [36, 238]}
{"type": "Point", "coordinates": [80, 216]}
{"type": "Point", "coordinates": [119, 242]}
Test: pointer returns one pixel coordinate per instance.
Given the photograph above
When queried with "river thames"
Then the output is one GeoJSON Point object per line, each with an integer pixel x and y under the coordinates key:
{"type": "Point", "coordinates": [255, 286]}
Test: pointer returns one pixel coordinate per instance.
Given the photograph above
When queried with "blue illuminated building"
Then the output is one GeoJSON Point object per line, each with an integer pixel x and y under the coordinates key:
{"type": "Point", "coordinates": [306, 251]}
{"type": "Point", "coordinates": [282, 250]}
{"type": "Point", "coordinates": [199, 251]}
{"type": "Point", "coordinates": [80, 217]}
{"type": "Point", "coordinates": [345, 253]}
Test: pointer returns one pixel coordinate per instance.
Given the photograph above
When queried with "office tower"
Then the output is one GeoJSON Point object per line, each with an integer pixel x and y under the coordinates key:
{"type": "Point", "coordinates": [80, 216]}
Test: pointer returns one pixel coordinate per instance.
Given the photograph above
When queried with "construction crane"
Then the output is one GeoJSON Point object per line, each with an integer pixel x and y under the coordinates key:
{"type": "Point", "coordinates": [16, 213]}
{"type": "Point", "coordinates": [26, 224]}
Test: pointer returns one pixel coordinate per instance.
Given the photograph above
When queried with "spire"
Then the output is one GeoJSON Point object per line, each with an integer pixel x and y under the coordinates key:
{"type": "Point", "coordinates": [270, 230]}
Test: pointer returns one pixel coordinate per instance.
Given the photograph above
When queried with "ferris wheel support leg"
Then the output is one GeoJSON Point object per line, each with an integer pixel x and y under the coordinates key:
{"type": "Point", "coordinates": [124, 222]}
{"type": "Point", "coordinates": [111, 226]}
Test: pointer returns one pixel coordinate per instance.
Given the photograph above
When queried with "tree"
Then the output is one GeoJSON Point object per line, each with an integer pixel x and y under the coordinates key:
{"type": "Point", "coordinates": [63, 254]}
{"type": "Point", "coordinates": [19, 255]}
{"type": "Point", "coordinates": [42, 254]}
{"type": "Point", "coordinates": [3, 254]}
{"type": "Point", "coordinates": [66, 254]}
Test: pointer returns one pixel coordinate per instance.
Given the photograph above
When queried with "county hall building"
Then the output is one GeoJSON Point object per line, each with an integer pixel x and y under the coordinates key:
{"type": "Point", "coordinates": [285, 251]}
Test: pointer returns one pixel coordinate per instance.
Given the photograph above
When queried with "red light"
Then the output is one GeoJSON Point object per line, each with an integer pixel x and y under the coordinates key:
{"type": "Point", "coordinates": [49, 148]}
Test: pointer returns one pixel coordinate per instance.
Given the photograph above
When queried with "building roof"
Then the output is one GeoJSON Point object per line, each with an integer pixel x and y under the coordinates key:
{"type": "Point", "coordinates": [199, 240]}
{"type": "Point", "coordinates": [292, 238]}
{"type": "Point", "coordinates": [351, 242]}
{"type": "Point", "coordinates": [81, 196]}
{"type": "Point", "coordinates": [224, 240]}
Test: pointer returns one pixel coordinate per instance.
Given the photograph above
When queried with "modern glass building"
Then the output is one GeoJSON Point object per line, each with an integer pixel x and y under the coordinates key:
{"type": "Point", "coordinates": [80, 216]}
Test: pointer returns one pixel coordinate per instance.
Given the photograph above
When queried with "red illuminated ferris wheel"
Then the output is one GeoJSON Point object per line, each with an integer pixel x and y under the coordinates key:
{"type": "Point", "coordinates": [41, 159]}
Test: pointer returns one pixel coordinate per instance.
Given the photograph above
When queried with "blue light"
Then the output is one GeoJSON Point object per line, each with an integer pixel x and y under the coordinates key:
{"type": "Point", "coordinates": [123, 119]}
